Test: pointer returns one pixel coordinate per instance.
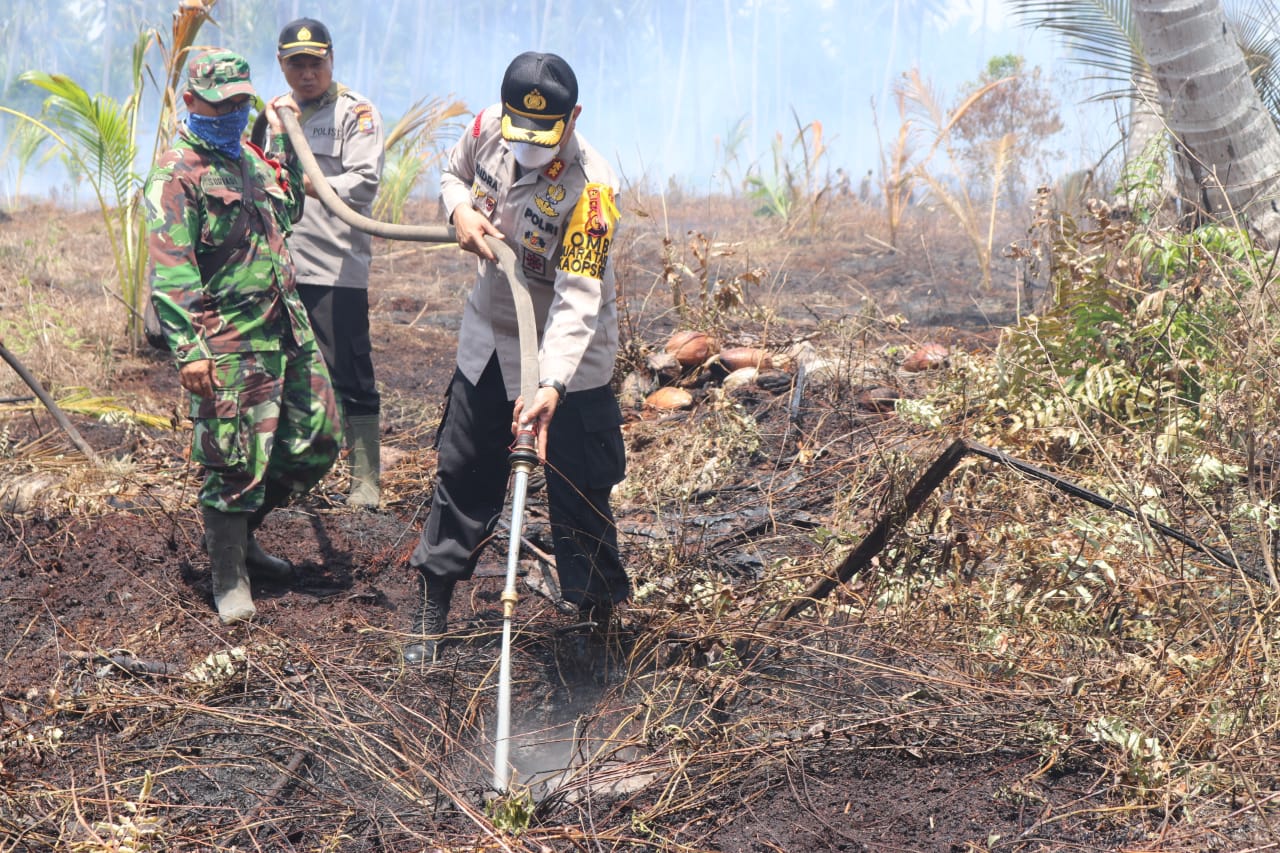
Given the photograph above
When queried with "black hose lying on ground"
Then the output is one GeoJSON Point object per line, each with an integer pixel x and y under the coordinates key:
{"type": "Point", "coordinates": [874, 542]}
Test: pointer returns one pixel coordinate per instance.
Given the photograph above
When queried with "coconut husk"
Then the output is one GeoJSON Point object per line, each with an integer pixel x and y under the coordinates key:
{"type": "Point", "coordinates": [740, 378]}
{"type": "Point", "coordinates": [636, 386]}
{"type": "Point", "coordinates": [927, 357]}
{"type": "Point", "coordinates": [878, 399]}
{"type": "Point", "coordinates": [735, 358]}
{"type": "Point", "coordinates": [692, 348]}
{"type": "Point", "coordinates": [669, 399]}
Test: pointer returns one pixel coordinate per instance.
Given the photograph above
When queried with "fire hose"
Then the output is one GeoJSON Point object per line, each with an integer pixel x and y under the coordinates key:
{"type": "Point", "coordinates": [524, 456]}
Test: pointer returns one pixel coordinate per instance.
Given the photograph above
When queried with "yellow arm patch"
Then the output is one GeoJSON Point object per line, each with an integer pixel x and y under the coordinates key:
{"type": "Point", "coordinates": [589, 233]}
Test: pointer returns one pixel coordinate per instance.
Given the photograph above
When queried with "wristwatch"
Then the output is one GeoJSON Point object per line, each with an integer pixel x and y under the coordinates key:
{"type": "Point", "coordinates": [553, 383]}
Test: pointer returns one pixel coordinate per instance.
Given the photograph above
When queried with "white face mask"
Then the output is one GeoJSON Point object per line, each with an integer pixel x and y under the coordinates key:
{"type": "Point", "coordinates": [533, 156]}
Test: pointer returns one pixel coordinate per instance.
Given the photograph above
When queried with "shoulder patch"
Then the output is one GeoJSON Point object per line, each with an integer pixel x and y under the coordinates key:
{"type": "Point", "coordinates": [365, 122]}
{"type": "Point", "coordinates": [589, 233]}
{"type": "Point", "coordinates": [475, 128]}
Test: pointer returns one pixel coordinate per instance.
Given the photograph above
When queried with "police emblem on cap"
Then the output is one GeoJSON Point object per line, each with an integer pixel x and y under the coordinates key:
{"type": "Point", "coordinates": [305, 35]}
{"type": "Point", "coordinates": [539, 92]}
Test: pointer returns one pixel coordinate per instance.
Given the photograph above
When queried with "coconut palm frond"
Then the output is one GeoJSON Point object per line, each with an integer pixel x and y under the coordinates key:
{"type": "Point", "coordinates": [1255, 28]}
{"type": "Point", "coordinates": [999, 169]}
{"type": "Point", "coordinates": [401, 174]}
{"type": "Point", "coordinates": [926, 104]}
{"type": "Point", "coordinates": [922, 100]}
{"type": "Point", "coordinates": [23, 148]}
{"type": "Point", "coordinates": [413, 150]}
{"type": "Point", "coordinates": [973, 98]}
{"type": "Point", "coordinates": [1100, 32]}
{"type": "Point", "coordinates": [81, 401]}
{"type": "Point", "coordinates": [1105, 39]}
{"type": "Point", "coordinates": [423, 121]}
{"type": "Point", "coordinates": [101, 127]}
{"type": "Point", "coordinates": [187, 21]}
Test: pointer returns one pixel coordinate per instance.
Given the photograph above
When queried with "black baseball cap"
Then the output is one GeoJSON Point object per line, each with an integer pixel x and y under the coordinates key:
{"type": "Point", "coordinates": [539, 91]}
{"type": "Point", "coordinates": [305, 35]}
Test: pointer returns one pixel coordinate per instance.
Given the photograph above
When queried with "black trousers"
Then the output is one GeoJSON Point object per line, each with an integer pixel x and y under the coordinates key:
{"type": "Point", "coordinates": [340, 319]}
{"type": "Point", "coordinates": [585, 458]}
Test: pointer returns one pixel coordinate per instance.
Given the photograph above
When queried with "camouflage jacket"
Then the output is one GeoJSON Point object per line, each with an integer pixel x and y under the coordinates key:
{"type": "Point", "coordinates": [193, 198]}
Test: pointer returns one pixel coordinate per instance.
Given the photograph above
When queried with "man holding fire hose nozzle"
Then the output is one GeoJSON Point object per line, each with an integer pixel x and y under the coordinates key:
{"type": "Point", "coordinates": [521, 174]}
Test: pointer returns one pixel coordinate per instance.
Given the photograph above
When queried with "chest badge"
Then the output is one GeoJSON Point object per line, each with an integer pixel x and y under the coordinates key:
{"type": "Point", "coordinates": [547, 201]}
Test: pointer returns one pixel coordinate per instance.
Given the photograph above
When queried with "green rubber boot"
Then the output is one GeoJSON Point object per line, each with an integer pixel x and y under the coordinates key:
{"type": "Point", "coordinates": [226, 536]}
{"type": "Point", "coordinates": [364, 433]}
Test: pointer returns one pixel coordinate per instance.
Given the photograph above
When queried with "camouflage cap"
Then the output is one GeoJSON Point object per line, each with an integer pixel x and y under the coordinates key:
{"type": "Point", "coordinates": [217, 74]}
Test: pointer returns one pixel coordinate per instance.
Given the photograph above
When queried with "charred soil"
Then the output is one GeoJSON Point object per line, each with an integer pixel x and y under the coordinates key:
{"type": "Point", "coordinates": [127, 713]}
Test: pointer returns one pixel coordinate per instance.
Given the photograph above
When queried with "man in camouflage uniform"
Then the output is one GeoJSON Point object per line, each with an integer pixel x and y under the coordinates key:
{"type": "Point", "coordinates": [345, 132]}
{"type": "Point", "coordinates": [522, 174]}
{"type": "Point", "coordinates": [264, 413]}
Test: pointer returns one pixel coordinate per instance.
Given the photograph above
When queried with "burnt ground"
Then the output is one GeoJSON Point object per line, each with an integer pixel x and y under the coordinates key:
{"type": "Point", "coordinates": [125, 706]}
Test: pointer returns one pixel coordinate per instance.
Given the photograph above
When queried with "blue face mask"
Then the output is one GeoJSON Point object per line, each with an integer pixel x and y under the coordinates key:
{"type": "Point", "coordinates": [222, 132]}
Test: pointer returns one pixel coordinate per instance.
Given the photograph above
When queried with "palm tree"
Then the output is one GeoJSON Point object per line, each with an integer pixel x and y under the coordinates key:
{"type": "Point", "coordinates": [1184, 58]}
{"type": "Point", "coordinates": [1225, 135]}
{"type": "Point", "coordinates": [1104, 38]}
{"type": "Point", "coordinates": [99, 136]}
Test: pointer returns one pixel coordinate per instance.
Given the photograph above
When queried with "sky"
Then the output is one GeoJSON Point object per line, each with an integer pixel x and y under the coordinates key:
{"type": "Point", "coordinates": [666, 85]}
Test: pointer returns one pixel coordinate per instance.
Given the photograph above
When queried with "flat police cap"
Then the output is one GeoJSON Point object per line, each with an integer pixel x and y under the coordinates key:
{"type": "Point", "coordinates": [305, 35]}
{"type": "Point", "coordinates": [539, 91]}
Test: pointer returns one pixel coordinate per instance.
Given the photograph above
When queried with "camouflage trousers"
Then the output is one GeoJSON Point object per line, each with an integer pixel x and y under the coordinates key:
{"type": "Point", "coordinates": [273, 422]}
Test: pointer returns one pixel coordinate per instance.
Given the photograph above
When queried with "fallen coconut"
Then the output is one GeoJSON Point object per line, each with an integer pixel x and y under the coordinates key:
{"type": "Point", "coordinates": [669, 399]}
{"type": "Point", "coordinates": [692, 348]}
{"type": "Point", "coordinates": [774, 381]}
{"type": "Point", "coordinates": [877, 399]}
{"type": "Point", "coordinates": [735, 358]}
{"type": "Point", "coordinates": [741, 377]}
{"type": "Point", "coordinates": [927, 357]}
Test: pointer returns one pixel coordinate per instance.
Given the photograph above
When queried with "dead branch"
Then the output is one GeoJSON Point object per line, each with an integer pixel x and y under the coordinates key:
{"type": "Point", "coordinates": [58, 414]}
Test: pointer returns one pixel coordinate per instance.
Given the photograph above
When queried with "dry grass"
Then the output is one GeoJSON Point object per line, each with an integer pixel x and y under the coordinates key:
{"type": "Point", "coordinates": [57, 312]}
{"type": "Point", "coordinates": [1001, 622]}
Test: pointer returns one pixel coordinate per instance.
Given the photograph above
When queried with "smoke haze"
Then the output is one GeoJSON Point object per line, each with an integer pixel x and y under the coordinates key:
{"type": "Point", "coordinates": [673, 92]}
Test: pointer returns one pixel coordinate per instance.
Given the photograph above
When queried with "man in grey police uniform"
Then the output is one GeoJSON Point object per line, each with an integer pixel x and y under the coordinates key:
{"type": "Point", "coordinates": [346, 135]}
{"type": "Point", "coordinates": [521, 173]}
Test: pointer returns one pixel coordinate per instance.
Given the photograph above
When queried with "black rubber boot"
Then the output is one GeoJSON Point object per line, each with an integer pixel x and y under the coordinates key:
{"type": "Point", "coordinates": [599, 612]}
{"type": "Point", "coordinates": [596, 646]}
{"type": "Point", "coordinates": [434, 596]}
{"type": "Point", "coordinates": [266, 567]}
{"type": "Point", "coordinates": [263, 566]}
